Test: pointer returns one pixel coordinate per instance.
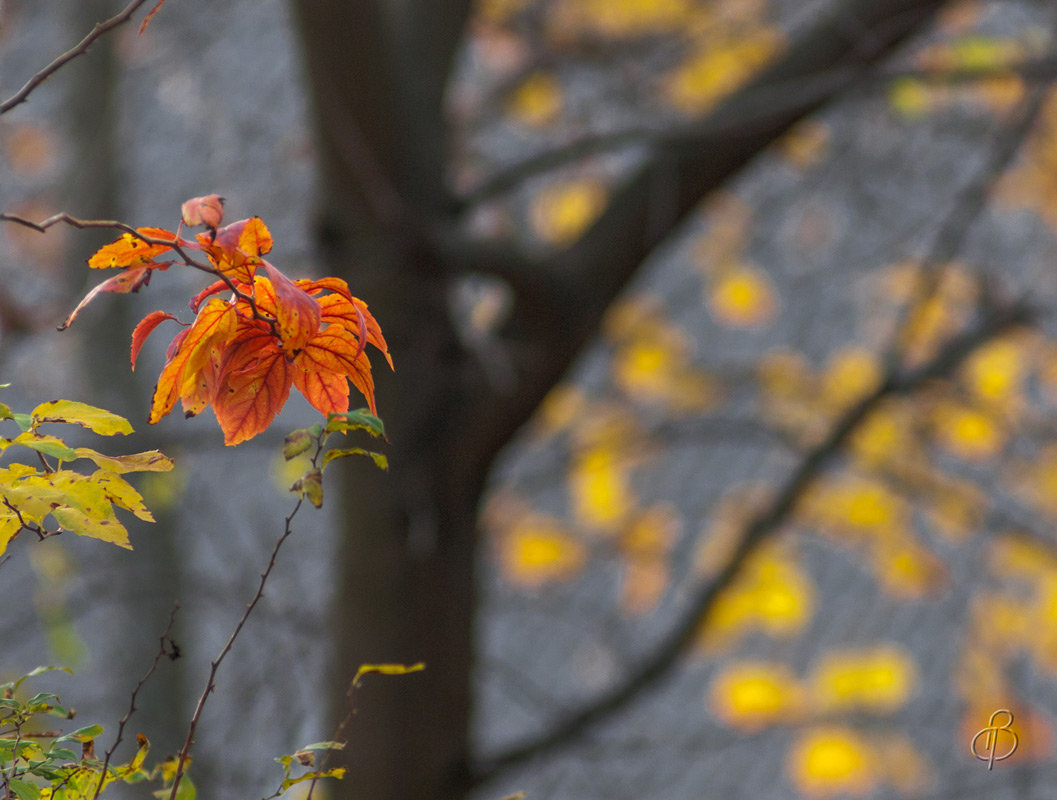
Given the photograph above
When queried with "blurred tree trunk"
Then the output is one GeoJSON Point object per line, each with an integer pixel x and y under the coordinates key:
{"type": "Point", "coordinates": [407, 586]}
{"type": "Point", "coordinates": [143, 587]}
{"type": "Point", "coordinates": [377, 72]}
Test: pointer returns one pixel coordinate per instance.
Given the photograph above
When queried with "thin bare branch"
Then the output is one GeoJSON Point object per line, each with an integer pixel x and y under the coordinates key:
{"type": "Point", "coordinates": [178, 246]}
{"type": "Point", "coordinates": [165, 643]}
{"type": "Point", "coordinates": [78, 49]}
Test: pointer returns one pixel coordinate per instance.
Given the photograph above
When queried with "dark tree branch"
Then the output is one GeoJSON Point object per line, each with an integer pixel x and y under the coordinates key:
{"type": "Point", "coordinates": [78, 49]}
{"type": "Point", "coordinates": [647, 207]}
{"type": "Point", "coordinates": [761, 528]}
{"type": "Point", "coordinates": [763, 103]}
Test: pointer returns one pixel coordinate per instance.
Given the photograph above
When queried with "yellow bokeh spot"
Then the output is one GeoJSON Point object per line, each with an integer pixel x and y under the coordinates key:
{"type": "Point", "coordinates": [752, 695]}
{"type": "Point", "coordinates": [647, 544]}
{"type": "Point", "coordinates": [655, 368]}
{"type": "Point", "coordinates": [968, 432]}
{"type": "Point", "coordinates": [564, 210]}
{"type": "Point", "coordinates": [537, 101]}
{"type": "Point", "coordinates": [996, 371]}
{"type": "Point", "coordinates": [879, 679]}
{"type": "Point", "coordinates": [851, 374]}
{"type": "Point", "coordinates": [772, 595]}
{"type": "Point", "coordinates": [719, 69]}
{"type": "Point", "coordinates": [908, 571]}
{"type": "Point", "coordinates": [620, 18]}
{"type": "Point", "coordinates": [831, 761]}
{"type": "Point", "coordinates": [538, 550]}
{"type": "Point", "coordinates": [743, 297]}
{"type": "Point", "coordinates": [910, 97]}
{"type": "Point", "coordinates": [600, 488]}
{"type": "Point", "coordinates": [805, 144]}
{"type": "Point", "coordinates": [884, 436]}
{"type": "Point", "coordinates": [851, 503]}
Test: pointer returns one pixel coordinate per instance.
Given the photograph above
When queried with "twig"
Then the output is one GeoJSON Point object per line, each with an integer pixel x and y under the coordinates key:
{"type": "Point", "coordinates": [215, 664]}
{"type": "Point", "coordinates": [162, 651]}
{"type": "Point", "coordinates": [177, 245]}
{"type": "Point", "coordinates": [761, 528]}
{"type": "Point", "coordinates": [79, 49]}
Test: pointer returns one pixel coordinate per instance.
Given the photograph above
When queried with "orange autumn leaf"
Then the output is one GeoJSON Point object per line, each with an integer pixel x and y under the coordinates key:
{"type": "Point", "coordinates": [214, 325]}
{"type": "Point", "coordinates": [242, 354]}
{"type": "Point", "coordinates": [297, 314]}
{"type": "Point", "coordinates": [235, 249]}
{"type": "Point", "coordinates": [131, 251]}
{"type": "Point", "coordinates": [252, 384]}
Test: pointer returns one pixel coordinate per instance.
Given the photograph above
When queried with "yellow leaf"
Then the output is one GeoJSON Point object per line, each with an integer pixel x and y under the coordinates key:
{"type": "Point", "coordinates": [97, 420]}
{"type": "Point", "coordinates": [121, 493]}
{"type": "Point", "coordinates": [385, 669]}
{"type": "Point", "coordinates": [564, 210]}
{"type": "Point", "coordinates": [148, 461]}
{"type": "Point", "coordinates": [108, 530]}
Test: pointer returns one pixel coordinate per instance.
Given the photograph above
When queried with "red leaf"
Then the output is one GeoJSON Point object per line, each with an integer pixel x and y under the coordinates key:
{"type": "Point", "coordinates": [129, 280]}
{"type": "Point", "coordinates": [150, 15]}
{"type": "Point", "coordinates": [211, 289]}
{"type": "Point", "coordinates": [144, 329]}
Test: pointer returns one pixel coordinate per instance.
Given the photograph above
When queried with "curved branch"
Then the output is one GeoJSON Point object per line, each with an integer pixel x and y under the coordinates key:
{"type": "Point", "coordinates": [78, 49]}
{"type": "Point", "coordinates": [761, 528]}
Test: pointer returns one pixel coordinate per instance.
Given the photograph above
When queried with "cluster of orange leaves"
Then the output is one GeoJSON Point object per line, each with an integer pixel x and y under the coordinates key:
{"type": "Point", "coordinates": [244, 351]}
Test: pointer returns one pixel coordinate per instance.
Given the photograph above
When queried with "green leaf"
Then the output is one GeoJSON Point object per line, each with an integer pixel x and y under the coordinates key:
{"type": "Point", "coordinates": [325, 746]}
{"type": "Point", "coordinates": [43, 699]}
{"type": "Point", "coordinates": [380, 460]}
{"type": "Point", "coordinates": [186, 791]}
{"type": "Point", "coordinates": [85, 734]}
{"type": "Point", "coordinates": [25, 421]}
{"type": "Point", "coordinates": [97, 420]}
{"type": "Point", "coordinates": [148, 461]}
{"type": "Point", "coordinates": [362, 419]}
{"type": "Point", "coordinates": [48, 445]}
{"type": "Point", "coordinates": [296, 443]}
{"type": "Point", "coordinates": [386, 669]}
{"type": "Point", "coordinates": [25, 790]}
{"type": "Point", "coordinates": [62, 754]}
